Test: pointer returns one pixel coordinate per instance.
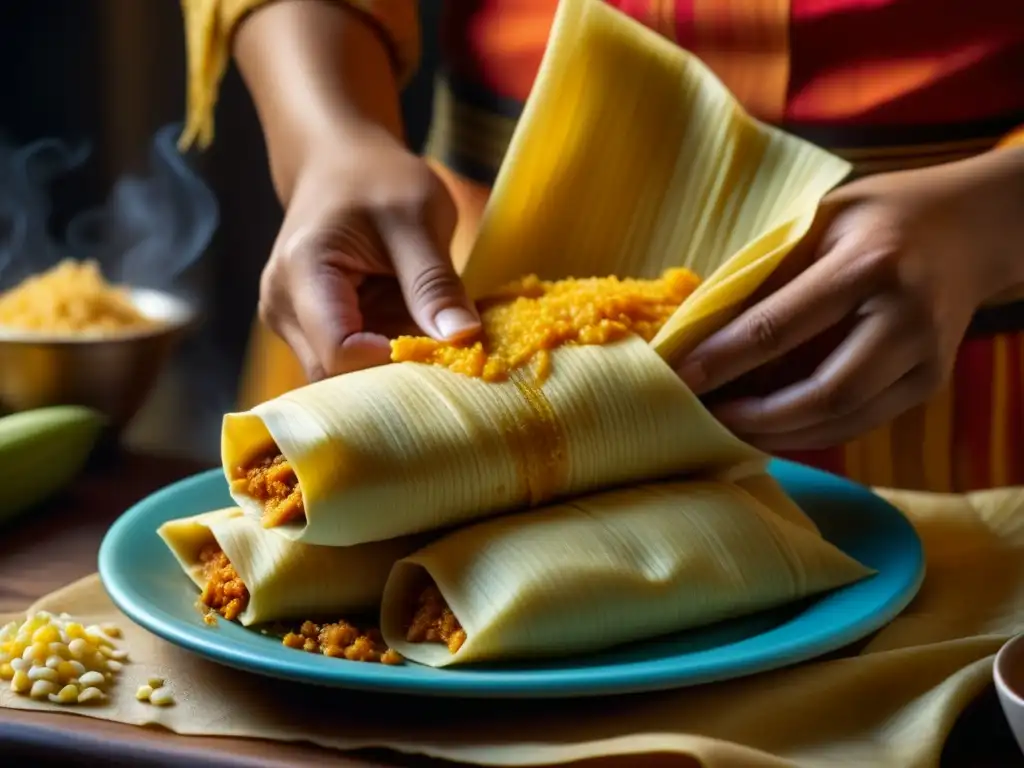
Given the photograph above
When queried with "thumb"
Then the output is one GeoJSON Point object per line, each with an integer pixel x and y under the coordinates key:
{"type": "Point", "coordinates": [433, 292]}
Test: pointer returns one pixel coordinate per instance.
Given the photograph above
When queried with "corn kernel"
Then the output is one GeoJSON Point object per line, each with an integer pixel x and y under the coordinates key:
{"type": "Point", "coordinates": [144, 692]}
{"type": "Point", "coordinates": [78, 647]}
{"type": "Point", "coordinates": [118, 654]}
{"type": "Point", "coordinates": [54, 661]}
{"type": "Point", "coordinates": [20, 682]}
{"type": "Point", "coordinates": [92, 679]}
{"type": "Point", "coordinates": [112, 630]}
{"type": "Point", "coordinates": [114, 666]}
{"type": "Point", "coordinates": [46, 634]}
{"type": "Point", "coordinates": [42, 673]}
{"type": "Point", "coordinates": [161, 697]}
{"type": "Point", "coordinates": [41, 689]}
{"type": "Point", "coordinates": [75, 630]}
{"type": "Point", "coordinates": [6, 672]}
{"type": "Point", "coordinates": [20, 665]}
{"type": "Point", "coordinates": [90, 694]}
{"type": "Point", "coordinates": [66, 695]}
{"type": "Point", "coordinates": [155, 682]}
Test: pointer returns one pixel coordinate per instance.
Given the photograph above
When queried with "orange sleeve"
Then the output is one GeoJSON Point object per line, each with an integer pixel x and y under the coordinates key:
{"type": "Point", "coordinates": [210, 25]}
{"type": "Point", "coordinates": [1013, 139]}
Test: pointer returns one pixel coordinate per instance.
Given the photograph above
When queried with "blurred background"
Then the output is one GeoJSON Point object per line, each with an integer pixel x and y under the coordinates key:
{"type": "Point", "coordinates": [110, 74]}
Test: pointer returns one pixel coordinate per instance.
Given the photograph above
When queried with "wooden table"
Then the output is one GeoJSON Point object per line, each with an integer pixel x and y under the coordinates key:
{"type": "Point", "coordinates": [59, 543]}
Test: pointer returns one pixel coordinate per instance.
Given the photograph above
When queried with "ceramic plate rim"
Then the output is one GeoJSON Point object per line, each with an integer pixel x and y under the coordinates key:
{"type": "Point", "coordinates": [659, 673]}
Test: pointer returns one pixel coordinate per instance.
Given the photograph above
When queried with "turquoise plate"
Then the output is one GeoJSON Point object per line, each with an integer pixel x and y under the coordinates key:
{"type": "Point", "coordinates": [144, 580]}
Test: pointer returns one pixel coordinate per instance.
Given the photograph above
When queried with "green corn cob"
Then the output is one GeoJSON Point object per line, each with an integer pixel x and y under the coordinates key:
{"type": "Point", "coordinates": [41, 451]}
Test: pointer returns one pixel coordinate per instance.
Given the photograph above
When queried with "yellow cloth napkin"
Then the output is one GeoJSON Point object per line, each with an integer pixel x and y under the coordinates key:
{"type": "Point", "coordinates": [891, 704]}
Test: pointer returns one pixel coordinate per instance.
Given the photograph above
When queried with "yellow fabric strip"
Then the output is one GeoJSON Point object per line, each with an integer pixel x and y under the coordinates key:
{"type": "Point", "coordinates": [210, 26]}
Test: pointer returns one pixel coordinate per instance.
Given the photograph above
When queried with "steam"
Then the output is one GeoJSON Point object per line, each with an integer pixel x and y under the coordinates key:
{"type": "Point", "coordinates": [151, 229]}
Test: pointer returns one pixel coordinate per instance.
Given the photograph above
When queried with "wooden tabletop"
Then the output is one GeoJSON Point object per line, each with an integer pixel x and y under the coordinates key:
{"type": "Point", "coordinates": [55, 545]}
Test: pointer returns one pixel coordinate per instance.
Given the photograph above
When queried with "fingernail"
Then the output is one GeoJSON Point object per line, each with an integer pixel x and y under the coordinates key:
{"type": "Point", "coordinates": [693, 374]}
{"type": "Point", "coordinates": [456, 323]}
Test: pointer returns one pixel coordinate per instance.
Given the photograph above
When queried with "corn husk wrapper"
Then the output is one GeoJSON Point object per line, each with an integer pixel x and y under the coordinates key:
{"type": "Point", "coordinates": [631, 157]}
{"type": "Point", "coordinates": [285, 580]}
{"type": "Point", "coordinates": [404, 448]}
{"type": "Point", "coordinates": [615, 567]}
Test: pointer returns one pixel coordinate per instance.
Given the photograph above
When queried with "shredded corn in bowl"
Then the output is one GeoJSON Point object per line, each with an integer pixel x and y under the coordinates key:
{"type": "Point", "coordinates": [72, 298]}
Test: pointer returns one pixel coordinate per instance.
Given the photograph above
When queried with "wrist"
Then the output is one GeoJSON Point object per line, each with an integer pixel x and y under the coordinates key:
{"type": "Point", "coordinates": [320, 75]}
{"type": "Point", "coordinates": [991, 188]}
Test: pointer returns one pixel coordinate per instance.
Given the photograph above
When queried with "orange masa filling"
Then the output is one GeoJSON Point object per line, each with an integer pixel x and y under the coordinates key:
{"type": "Point", "coordinates": [226, 594]}
{"type": "Point", "coordinates": [224, 591]}
{"type": "Point", "coordinates": [527, 319]}
{"type": "Point", "coordinates": [434, 622]}
{"type": "Point", "coordinates": [342, 640]}
{"type": "Point", "coordinates": [270, 480]}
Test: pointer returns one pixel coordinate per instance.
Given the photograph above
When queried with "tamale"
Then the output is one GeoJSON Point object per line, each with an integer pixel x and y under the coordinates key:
{"type": "Point", "coordinates": [608, 569]}
{"type": "Point", "coordinates": [283, 579]}
{"type": "Point", "coordinates": [411, 447]}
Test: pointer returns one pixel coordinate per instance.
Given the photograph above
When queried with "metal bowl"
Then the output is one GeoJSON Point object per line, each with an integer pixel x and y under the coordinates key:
{"type": "Point", "coordinates": [113, 373]}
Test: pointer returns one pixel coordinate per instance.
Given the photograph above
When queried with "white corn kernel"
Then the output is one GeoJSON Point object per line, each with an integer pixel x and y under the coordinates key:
{"type": "Point", "coordinates": [155, 682]}
{"type": "Point", "coordinates": [114, 666]}
{"type": "Point", "coordinates": [90, 694]}
{"type": "Point", "coordinates": [119, 654]}
{"type": "Point", "coordinates": [54, 661]}
{"type": "Point", "coordinates": [41, 689]}
{"type": "Point", "coordinates": [66, 695]}
{"type": "Point", "coordinates": [161, 697]}
{"type": "Point", "coordinates": [92, 679]}
{"type": "Point", "coordinates": [20, 665]}
{"type": "Point", "coordinates": [43, 673]}
{"type": "Point", "coordinates": [78, 667]}
{"type": "Point", "coordinates": [78, 647]}
{"type": "Point", "coordinates": [144, 692]}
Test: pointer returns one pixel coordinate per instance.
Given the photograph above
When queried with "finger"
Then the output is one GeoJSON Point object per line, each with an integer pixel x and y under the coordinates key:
{"type": "Point", "coordinates": [326, 305]}
{"type": "Point", "coordinates": [811, 303]}
{"type": "Point", "coordinates": [909, 391]}
{"type": "Point", "coordinates": [292, 335]}
{"type": "Point", "coordinates": [878, 353]}
{"type": "Point", "coordinates": [432, 290]}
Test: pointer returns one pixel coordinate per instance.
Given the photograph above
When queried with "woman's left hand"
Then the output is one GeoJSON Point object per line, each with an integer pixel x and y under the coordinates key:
{"type": "Point", "coordinates": [903, 259]}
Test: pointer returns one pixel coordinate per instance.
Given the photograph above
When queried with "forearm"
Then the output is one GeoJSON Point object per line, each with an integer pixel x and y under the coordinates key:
{"type": "Point", "coordinates": [318, 72]}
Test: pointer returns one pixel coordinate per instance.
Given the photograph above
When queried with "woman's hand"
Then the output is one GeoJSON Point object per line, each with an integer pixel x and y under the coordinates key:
{"type": "Point", "coordinates": [899, 264]}
{"type": "Point", "coordinates": [362, 257]}
{"type": "Point", "coordinates": [363, 254]}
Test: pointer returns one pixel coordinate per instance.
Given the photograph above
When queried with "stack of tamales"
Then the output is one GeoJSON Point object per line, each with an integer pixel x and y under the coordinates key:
{"type": "Point", "coordinates": [552, 488]}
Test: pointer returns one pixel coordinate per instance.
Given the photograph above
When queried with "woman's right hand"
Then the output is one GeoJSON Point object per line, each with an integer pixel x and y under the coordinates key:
{"type": "Point", "coordinates": [362, 257]}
